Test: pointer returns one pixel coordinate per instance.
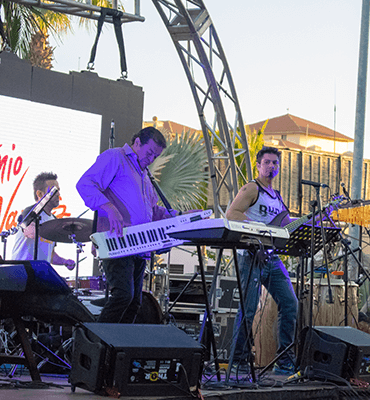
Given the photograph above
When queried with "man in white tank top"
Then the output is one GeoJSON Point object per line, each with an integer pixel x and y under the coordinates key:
{"type": "Point", "coordinates": [258, 201]}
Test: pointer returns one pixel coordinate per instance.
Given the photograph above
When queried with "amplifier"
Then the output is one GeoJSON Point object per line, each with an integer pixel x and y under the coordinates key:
{"type": "Point", "coordinates": [226, 296]}
{"type": "Point", "coordinates": [336, 352]}
{"type": "Point", "coordinates": [193, 295]}
{"type": "Point", "coordinates": [134, 360]}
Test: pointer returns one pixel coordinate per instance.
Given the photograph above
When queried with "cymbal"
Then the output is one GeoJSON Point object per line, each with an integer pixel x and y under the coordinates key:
{"type": "Point", "coordinates": [59, 230]}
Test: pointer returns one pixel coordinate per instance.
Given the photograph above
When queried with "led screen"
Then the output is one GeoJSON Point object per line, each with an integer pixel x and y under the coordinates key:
{"type": "Point", "coordinates": [37, 137]}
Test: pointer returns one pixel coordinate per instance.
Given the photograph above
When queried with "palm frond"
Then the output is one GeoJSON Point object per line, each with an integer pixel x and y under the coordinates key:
{"type": "Point", "coordinates": [181, 171]}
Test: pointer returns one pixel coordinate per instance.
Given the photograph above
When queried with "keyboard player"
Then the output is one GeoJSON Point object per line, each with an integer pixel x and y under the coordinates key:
{"type": "Point", "coordinates": [258, 201]}
{"type": "Point", "coordinates": [117, 185]}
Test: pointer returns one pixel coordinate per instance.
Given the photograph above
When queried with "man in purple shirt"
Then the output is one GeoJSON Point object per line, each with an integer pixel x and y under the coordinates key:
{"type": "Point", "coordinates": [117, 185]}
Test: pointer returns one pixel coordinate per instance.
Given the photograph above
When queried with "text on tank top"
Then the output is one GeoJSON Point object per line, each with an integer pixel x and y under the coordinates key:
{"type": "Point", "coordinates": [266, 207]}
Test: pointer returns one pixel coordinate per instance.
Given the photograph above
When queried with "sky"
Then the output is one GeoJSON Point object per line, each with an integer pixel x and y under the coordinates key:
{"type": "Point", "coordinates": [286, 56]}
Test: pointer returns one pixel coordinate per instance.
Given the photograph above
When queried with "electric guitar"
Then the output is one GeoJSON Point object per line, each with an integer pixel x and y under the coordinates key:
{"type": "Point", "coordinates": [292, 226]}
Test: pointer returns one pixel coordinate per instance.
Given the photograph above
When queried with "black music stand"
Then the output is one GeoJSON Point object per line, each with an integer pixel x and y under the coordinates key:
{"type": "Point", "coordinates": [299, 243]}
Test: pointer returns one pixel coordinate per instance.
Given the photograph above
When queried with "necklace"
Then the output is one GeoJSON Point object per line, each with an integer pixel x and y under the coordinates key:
{"type": "Point", "coordinates": [268, 189]}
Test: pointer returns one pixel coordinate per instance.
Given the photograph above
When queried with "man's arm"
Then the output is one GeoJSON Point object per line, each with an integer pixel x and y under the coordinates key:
{"type": "Point", "coordinates": [57, 260]}
{"type": "Point", "coordinates": [243, 200]}
{"type": "Point", "coordinates": [116, 222]}
{"type": "Point", "coordinates": [97, 178]}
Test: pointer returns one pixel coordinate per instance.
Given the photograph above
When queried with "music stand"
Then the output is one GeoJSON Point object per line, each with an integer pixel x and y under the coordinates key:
{"type": "Point", "coordinates": [299, 243]}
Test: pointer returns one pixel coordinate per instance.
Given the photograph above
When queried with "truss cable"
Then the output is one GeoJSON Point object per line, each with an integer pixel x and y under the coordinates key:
{"type": "Point", "coordinates": [119, 36]}
{"type": "Point", "coordinates": [116, 15]}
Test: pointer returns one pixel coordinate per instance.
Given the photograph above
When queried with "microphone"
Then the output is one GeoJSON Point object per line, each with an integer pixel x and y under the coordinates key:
{"type": "Point", "coordinates": [37, 208]}
{"type": "Point", "coordinates": [298, 375]}
{"type": "Point", "coordinates": [345, 191]}
{"type": "Point", "coordinates": [314, 184]}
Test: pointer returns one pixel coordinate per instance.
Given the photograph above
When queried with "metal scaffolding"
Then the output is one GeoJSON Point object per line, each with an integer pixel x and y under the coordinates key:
{"type": "Point", "coordinates": [82, 9]}
{"type": "Point", "coordinates": [199, 48]}
{"type": "Point", "coordinates": [209, 76]}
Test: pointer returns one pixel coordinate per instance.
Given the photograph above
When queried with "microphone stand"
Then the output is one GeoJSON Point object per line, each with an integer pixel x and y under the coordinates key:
{"type": "Point", "coordinates": [160, 193]}
{"type": "Point", "coordinates": [36, 244]}
{"type": "Point", "coordinates": [34, 215]}
{"type": "Point", "coordinates": [314, 204]}
{"type": "Point", "coordinates": [348, 250]}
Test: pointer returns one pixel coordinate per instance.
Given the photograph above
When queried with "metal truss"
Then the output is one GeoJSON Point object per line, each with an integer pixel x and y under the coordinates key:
{"type": "Point", "coordinates": [83, 9]}
{"type": "Point", "coordinates": [199, 48]}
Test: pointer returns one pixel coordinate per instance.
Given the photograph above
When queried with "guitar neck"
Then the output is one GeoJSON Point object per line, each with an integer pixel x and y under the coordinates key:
{"type": "Point", "coordinates": [292, 226]}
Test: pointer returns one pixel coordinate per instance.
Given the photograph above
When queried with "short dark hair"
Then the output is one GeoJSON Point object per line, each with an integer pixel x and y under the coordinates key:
{"type": "Point", "coordinates": [39, 182]}
{"type": "Point", "coordinates": [267, 150]}
{"type": "Point", "coordinates": [150, 133]}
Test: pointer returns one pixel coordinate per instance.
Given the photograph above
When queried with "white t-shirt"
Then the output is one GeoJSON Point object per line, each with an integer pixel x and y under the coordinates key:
{"type": "Point", "coordinates": [23, 248]}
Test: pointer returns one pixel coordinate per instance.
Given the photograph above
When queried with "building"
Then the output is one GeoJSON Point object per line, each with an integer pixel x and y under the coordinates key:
{"type": "Point", "coordinates": [170, 126]}
{"type": "Point", "coordinates": [297, 133]}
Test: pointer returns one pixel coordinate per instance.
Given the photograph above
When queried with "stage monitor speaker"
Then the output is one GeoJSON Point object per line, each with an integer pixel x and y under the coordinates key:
{"type": "Point", "coordinates": [336, 352]}
{"type": "Point", "coordinates": [136, 360]}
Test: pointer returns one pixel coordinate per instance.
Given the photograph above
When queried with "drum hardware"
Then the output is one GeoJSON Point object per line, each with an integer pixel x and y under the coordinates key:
{"type": "Point", "coordinates": [40, 349]}
{"type": "Point", "coordinates": [4, 238]}
{"type": "Point", "coordinates": [79, 250]}
{"type": "Point", "coordinates": [69, 230]}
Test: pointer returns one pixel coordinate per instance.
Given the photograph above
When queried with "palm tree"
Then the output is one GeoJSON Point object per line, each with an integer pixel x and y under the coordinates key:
{"type": "Point", "coordinates": [255, 144]}
{"type": "Point", "coordinates": [26, 27]}
{"type": "Point", "coordinates": [26, 30]}
{"type": "Point", "coordinates": [181, 171]}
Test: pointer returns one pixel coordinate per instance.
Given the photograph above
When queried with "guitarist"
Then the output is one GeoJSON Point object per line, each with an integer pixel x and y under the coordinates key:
{"type": "Point", "coordinates": [258, 201]}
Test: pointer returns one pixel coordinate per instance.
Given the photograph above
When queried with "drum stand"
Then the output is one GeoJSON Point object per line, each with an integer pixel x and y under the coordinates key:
{"type": "Point", "coordinates": [4, 238]}
{"type": "Point", "coordinates": [79, 250]}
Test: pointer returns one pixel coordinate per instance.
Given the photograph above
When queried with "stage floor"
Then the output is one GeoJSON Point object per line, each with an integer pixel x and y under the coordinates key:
{"type": "Point", "coordinates": [270, 387]}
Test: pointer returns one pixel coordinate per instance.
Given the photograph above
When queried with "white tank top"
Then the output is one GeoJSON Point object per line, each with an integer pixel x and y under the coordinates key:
{"type": "Point", "coordinates": [266, 207]}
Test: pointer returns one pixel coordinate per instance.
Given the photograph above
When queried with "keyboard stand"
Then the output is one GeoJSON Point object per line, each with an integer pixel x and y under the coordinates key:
{"type": "Point", "coordinates": [242, 309]}
{"type": "Point", "coordinates": [207, 317]}
{"type": "Point", "coordinates": [207, 320]}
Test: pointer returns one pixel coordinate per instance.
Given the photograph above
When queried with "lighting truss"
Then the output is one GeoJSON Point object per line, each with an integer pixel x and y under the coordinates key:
{"type": "Point", "coordinates": [199, 48]}
{"type": "Point", "coordinates": [83, 9]}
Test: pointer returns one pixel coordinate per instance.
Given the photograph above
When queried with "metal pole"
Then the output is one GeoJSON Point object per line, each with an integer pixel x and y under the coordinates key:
{"type": "Point", "coordinates": [358, 151]}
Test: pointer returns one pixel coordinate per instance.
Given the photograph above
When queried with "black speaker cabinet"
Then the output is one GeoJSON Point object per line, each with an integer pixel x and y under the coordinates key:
{"type": "Point", "coordinates": [136, 360]}
{"type": "Point", "coordinates": [335, 351]}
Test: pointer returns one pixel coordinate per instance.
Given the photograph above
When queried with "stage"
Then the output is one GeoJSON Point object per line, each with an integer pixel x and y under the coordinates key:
{"type": "Point", "coordinates": [272, 387]}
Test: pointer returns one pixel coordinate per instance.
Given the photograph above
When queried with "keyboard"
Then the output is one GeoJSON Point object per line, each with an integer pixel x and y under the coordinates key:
{"type": "Point", "coordinates": [143, 238]}
{"type": "Point", "coordinates": [224, 233]}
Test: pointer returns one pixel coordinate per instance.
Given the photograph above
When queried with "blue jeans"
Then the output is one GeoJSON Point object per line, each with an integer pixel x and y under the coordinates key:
{"type": "Point", "coordinates": [125, 278]}
{"type": "Point", "coordinates": [273, 275]}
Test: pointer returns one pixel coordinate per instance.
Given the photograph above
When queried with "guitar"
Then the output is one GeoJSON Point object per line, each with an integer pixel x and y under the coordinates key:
{"type": "Point", "coordinates": [292, 226]}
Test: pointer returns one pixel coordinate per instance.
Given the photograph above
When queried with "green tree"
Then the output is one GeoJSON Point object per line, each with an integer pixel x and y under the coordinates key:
{"type": "Point", "coordinates": [255, 144]}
